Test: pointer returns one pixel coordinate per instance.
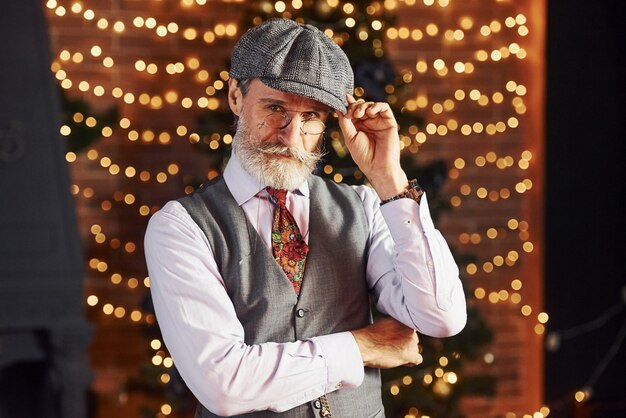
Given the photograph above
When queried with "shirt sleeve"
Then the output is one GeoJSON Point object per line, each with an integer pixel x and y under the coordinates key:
{"type": "Point", "coordinates": [411, 271]}
{"type": "Point", "coordinates": [206, 340]}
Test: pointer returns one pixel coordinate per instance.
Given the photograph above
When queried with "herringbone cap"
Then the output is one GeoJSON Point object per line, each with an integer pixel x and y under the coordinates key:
{"type": "Point", "coordinates": [294, 58]}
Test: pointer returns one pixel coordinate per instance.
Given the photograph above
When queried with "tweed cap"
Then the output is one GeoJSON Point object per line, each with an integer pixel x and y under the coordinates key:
{"type": "Point", "coordinates": [294, 58]}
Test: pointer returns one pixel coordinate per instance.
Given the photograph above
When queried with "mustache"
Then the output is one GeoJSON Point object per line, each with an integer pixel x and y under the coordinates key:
{"type": "Point", "coordinates": [296, 153]}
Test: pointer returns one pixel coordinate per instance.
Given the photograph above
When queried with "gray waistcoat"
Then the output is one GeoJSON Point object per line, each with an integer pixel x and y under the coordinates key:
{"type": "Point", "coordinates": [333, 297]}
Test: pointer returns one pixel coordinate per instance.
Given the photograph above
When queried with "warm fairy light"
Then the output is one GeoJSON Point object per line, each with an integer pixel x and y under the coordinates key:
{"type": "Point", "coordinates": [119, 312]}
{"type": "Point", "coordinates": [166, 409]}
{"type": "Point", "coordinates": [157, 360]}
{"type": "Point", "coordinates": [581, 396]}
{"type": "Point", "coordinates": [155, 344]}
{"type": "Point", "coordinates": [119, 26]}
{"type": "Point", "coordinates": [451, 377]}
{"type": "Point", "coordinates": [136, 316]}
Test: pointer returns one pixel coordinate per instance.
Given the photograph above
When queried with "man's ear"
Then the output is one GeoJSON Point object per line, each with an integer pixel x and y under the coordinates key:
{"type": "Point", "coordinates": [235, 97]}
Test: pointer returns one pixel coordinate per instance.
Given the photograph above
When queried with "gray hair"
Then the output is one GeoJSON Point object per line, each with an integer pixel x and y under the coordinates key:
{"type": "Point", "coordinates": [244, 86]}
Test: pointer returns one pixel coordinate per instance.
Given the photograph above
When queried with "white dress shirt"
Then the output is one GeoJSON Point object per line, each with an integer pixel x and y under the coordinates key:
{"type": "Point", "coordinates": [411, 275]}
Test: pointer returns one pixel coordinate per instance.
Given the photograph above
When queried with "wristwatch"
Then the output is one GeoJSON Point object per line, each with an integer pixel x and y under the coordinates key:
{"type": "Point", "coordinates": [413, 191]}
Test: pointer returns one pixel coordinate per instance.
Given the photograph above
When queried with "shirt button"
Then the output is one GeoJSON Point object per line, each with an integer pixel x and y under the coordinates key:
{"type": "Point", "coordinates": [339, 385]}
{"type": "Point", "coordinates": [300, 313]}
{"type": "Point", "coordinates": [317, 404]}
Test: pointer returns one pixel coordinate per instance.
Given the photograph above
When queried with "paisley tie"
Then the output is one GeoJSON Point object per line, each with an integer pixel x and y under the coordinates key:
{"type": "Point", "coordinates": [290, 252]}
{"type": "Point", "coordinates": [288, 246]}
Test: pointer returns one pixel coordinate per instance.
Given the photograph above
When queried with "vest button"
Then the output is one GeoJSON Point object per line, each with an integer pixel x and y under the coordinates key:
{"type": "Point", "coordinates": [300, 313]}
{"type": "Point", "coordinates": [317, 404]}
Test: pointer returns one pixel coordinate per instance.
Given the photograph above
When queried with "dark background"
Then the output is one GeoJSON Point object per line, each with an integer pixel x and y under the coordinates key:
{"type": "Point", "coordinates": [584, 199]}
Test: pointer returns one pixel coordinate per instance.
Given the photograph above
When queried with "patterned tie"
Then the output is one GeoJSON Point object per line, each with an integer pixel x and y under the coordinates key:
{"type": "Point", "coordinates": [288, 247]}
{"type": "Point", "coordinates": [290, 252]}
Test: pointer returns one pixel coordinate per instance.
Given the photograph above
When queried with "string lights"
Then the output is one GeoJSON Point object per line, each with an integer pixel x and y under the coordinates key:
{"type": "Point", "coordinates": [461, 110]}
{"type": "Point", "coordinates": [556, 338]}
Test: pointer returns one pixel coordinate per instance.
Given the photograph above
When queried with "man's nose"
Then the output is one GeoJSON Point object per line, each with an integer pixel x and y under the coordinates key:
{"type": "Point", "coordinates": [291, 135]}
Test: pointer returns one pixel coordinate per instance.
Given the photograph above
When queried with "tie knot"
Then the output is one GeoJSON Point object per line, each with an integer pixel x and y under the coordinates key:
{"type": "Point", "coordinates": [279, 194]}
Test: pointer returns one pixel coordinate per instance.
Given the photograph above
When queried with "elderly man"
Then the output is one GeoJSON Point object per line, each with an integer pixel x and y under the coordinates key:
{"type": "Point", "coordinates": [262, 278]}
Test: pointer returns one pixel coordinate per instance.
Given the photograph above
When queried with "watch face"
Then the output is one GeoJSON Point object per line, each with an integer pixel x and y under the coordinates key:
{"type": "Point", "coordinates": [416, 194]}
{"type": "Point", "coordinates": [414, 185]}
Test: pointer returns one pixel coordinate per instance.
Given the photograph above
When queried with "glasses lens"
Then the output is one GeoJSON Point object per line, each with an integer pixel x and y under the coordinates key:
{"type": "Point", "coordinates": [277, 120]}
{"type": "Point", "coordinates": [313, 127]}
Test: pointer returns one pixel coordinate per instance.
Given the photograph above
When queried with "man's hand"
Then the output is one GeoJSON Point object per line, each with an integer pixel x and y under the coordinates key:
{"type": "Point", "coordinates": [371, 134]}
{"type": "Point", "coordinates": [388, 343]}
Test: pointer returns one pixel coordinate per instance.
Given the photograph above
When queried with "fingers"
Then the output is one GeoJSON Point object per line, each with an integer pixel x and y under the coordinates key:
{"type": "Point", "coordinates": [417, 360]}
{"type": "Point", "coordinates": [360, 109]}
{"type": "Point", "coordinates": [418, 357]}
{"type": "Point", "coordinates": [413, 351]}
{"type": "Point", "coordinates": [351, 100]}
{"type": "Point", "coordinates": [347, 128]}
{"type": "Point", "coordinates": [407, 338]}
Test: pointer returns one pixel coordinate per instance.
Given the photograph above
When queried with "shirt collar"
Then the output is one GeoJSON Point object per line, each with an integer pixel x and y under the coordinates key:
{"type": "Point", "coordinates": [243, 186]}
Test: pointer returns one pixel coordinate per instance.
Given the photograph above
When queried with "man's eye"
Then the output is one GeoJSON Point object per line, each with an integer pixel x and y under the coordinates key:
{"type": "Point", "coordinates": [310, 116]}
{"type": "Point", "coordinates": [276, 108]}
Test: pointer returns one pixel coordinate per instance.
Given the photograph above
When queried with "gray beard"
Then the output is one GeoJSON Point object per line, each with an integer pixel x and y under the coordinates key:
{"type": "Point", "coordinates": [265, 160]}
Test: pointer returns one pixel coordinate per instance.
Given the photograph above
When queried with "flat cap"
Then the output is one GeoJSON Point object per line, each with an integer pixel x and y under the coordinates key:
{"type": "Point", "coordinates": [294, 58]}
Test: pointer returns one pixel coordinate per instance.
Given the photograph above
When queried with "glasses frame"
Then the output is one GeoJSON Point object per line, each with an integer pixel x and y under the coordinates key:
{"type": "Point", "coordinates": [285, 115]}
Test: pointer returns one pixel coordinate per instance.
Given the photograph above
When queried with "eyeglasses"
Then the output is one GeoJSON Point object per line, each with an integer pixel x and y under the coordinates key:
{"type": "Point", "coordinates": [280, 119]}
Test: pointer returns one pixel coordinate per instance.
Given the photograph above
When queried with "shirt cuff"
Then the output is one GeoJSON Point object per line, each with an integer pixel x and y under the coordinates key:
{"type": "Point", "coordinates": [402, 219]}
{"type": "Point", "coordinates": [343, 360]}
